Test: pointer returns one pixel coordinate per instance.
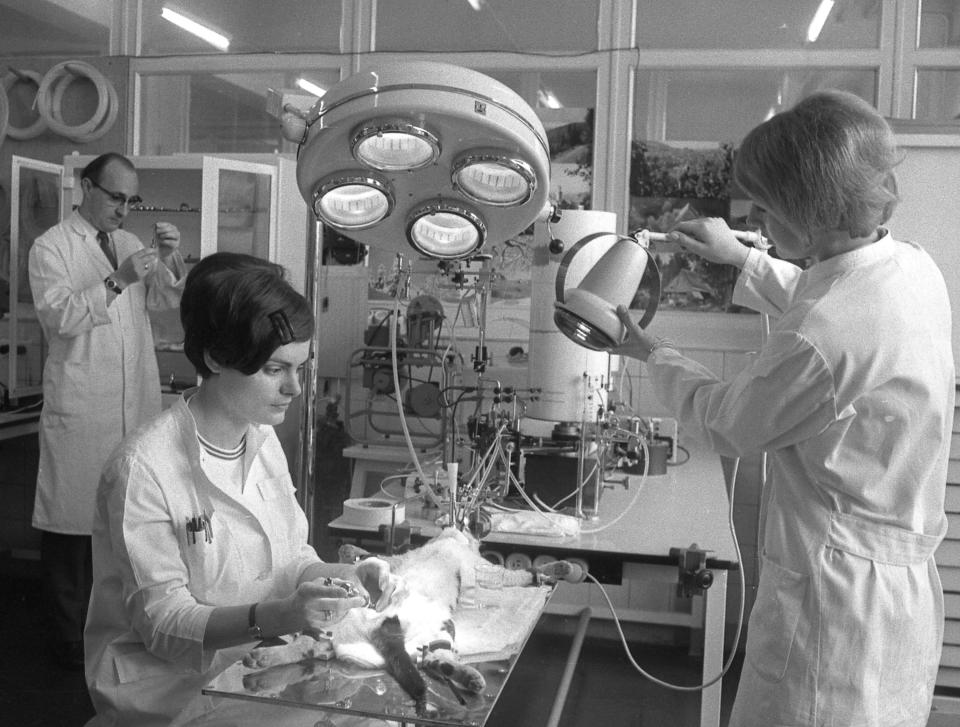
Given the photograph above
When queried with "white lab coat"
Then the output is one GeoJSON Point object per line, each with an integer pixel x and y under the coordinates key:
{"type": "Point", "coordinates": [156, 582]}
{"type": "Point", "coordinates": [853, 399]}
{"type": "Point", "coordinates": [100, 378]}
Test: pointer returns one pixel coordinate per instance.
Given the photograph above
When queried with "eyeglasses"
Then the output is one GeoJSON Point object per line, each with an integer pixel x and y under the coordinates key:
{"type": "Point", "coordinates": [118, 198]}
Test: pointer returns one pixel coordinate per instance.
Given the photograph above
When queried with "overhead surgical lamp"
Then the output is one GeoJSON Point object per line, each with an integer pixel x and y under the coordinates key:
{"type": "Point", "coordinates": [425, 155]}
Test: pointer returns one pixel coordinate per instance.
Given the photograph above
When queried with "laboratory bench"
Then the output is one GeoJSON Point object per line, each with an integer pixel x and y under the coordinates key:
{"type": "Point", "coordinates": [657, 528]}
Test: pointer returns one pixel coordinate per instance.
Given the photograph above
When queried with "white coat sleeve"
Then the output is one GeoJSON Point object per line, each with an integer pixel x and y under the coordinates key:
{"type": "Point", "coordinates": [165, 286]}
{"type": "Point", "coordinates": [292, 572]}
{"type": "Point", "coordinates": [766, 284]}
{"type": "Point", "coordinates": [154, 576]}
{"type": "Point", "coordinates": [786, 396]}
{"type": "Point", "coordinates": [61, 308]}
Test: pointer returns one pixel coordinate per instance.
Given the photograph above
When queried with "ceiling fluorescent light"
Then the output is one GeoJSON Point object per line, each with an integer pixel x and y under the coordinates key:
{"type": "Point", "coordinates": [819, 18]}
{"type": "Point", "coordinates": [476, 4]}
{"type": "Point", "coordinates": [547, 98]}
{"type": "Point", "coordinates": [310, 87]}
{"type": "Point", "coordinates": [217, 40]}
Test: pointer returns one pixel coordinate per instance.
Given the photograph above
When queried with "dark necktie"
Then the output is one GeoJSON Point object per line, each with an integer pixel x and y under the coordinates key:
{"type": "Point", "coordinates": [107, 248]}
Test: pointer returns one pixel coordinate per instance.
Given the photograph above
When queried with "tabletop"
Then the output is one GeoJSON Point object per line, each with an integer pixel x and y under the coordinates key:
{"type": "Point", "coordinates": [638, 517]}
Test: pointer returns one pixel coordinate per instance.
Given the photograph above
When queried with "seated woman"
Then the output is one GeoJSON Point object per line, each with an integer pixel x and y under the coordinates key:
{"type": "Point", "coordinates": [200, 546]}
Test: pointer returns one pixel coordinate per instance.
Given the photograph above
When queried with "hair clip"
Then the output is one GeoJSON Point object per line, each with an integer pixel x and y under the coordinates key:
{"type": "Point", "coordinates": [281, 324]}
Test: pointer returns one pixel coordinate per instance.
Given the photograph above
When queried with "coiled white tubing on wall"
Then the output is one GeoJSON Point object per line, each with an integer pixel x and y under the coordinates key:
{"type": "Point", "coordinates": [50, 98]}
{"type": "Point", "coordinates": [38, 126]}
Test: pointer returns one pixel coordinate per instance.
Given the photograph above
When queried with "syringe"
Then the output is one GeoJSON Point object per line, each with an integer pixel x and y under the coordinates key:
{"type": "Point", "coordinates": [663, 244]}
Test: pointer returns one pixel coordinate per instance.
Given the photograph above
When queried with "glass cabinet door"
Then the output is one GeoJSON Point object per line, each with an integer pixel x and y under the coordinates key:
{"type": "Point", "coordinates": [238, 214]}
{"type": "Point", "coordinates": [34, 208]}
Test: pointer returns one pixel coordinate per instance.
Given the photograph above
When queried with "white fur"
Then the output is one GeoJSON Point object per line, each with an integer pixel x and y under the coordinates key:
{"type": "Point", "coordinates": [428, 589]}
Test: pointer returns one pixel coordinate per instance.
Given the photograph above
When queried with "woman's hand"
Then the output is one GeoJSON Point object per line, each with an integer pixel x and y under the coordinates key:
{"type": "Point", "coordinates": [324, 601]}
{"type": "Point", "coordinates": [710, 238]}
{"type": "Point", "coordinates": [375, 577]}
{"type": "Point", "coordinates": [638, 344]}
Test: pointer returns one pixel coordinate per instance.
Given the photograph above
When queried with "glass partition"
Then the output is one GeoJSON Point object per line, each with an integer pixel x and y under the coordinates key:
{"type": "Point", "coordinates": [49, 29]}
{"type": "Point", "coordinates": [247, 26]}
{"type": "Point", "coordinates": [530, 26]}
{"type": "Point", "coordinates": [739, 24]}
{"type": "Point", "coordinates": [724, 104]}
{"type": "Point", "coordinates": [217, 113]}
{"type": "Point", "coordinates": [939, 24]}
{"type": "Point", "coordinates": [938, 95]}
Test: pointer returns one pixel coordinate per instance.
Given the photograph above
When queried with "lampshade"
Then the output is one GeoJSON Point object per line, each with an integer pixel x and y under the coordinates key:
{"type": "Point", "coordinates": [426, 157]}
{"type": "Point", "coordinates": [587, 314]}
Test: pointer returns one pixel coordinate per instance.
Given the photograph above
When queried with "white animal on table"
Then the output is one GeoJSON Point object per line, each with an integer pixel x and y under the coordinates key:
{"type": "Point", "coordinates": [418, 621]}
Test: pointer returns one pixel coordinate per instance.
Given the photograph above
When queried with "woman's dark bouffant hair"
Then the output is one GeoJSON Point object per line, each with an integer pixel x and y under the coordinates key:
{"type": "Point", "coordinates": [239, 309]}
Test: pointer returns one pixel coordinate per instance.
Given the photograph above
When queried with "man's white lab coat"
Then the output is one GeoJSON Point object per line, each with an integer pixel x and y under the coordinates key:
{"type": "Point", "coordinates": [100, 377]}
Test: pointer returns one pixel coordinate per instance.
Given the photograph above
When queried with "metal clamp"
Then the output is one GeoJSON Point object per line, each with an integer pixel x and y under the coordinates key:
{"type": "Point", "coordinates": [695, 577]}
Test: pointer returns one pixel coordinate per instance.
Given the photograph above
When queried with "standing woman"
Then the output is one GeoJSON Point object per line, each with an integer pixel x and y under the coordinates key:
{"type": "Point", "coordinates": [852, 397]}
{"type": "Point", "coordinates": [199, 545]}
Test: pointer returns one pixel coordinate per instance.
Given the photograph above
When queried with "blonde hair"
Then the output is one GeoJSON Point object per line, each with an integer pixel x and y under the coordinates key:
{"type": "Point", "coordinates": [825, 164]}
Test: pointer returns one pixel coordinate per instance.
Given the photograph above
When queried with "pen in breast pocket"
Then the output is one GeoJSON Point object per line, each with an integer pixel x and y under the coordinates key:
{"type": "Point", "coordinates": [198, 524]}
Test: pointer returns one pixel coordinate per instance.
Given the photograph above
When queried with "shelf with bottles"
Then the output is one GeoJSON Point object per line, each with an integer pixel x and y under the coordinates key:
{"type": "Point", "coordinates": [185, 207]}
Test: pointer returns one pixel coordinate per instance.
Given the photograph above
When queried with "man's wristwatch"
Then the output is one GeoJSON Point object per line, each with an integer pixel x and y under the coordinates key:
{"type": "Point", "coordinates": [112, 284]}
{"type": "Point", "coordinates": [253, 630]}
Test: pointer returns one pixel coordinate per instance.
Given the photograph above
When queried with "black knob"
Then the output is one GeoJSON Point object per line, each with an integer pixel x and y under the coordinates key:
{"type": "Point", "coordinates": [704, 579]}
{"type": "Point", "coordinates": [556, 246]}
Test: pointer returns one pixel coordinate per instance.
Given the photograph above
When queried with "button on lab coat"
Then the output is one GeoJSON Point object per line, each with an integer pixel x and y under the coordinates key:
{"type": "Point", "coordinates": [852, 397]}
{"type": "Point", "coordinates": [100, 377]}
{"type": "Point", "coordinates": [156, 579]}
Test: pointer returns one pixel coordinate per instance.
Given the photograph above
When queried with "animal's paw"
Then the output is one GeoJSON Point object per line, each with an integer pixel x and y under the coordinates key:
{"type": "Point", "coordinates": [300, 648]}
{"type": "Point", "coordinates": [348, 553]}
{"type": "Point", "coordinates": [276, 678]}
{"type": "Point", "coordinates": [443, 664]}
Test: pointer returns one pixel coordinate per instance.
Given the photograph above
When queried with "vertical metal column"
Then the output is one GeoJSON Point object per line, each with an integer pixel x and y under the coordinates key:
{"type": "Point", "coordinates": [305, 465]}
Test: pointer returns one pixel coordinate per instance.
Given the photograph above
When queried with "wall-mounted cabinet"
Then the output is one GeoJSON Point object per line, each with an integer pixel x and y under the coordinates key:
{"type": "Point", "coordinates": [34, 207]}
{"type": "Point", "coordinates": [236, 204]}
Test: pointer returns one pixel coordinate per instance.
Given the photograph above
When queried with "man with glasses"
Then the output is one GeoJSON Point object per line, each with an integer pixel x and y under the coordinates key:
{"type": "Point", "coordinates": [93, 284]}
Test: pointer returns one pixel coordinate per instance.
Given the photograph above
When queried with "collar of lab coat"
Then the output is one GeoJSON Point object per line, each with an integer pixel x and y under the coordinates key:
{"type": "Point", "coordinates": [839, 264]}
{"type": "Point", "coordinates": [187, 426]}
{"type": "Point", "coordinates": [81, 227]}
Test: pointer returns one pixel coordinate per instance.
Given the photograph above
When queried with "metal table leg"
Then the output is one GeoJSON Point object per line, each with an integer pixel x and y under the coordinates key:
{"type": "Point", "coordinates": [572, 658]}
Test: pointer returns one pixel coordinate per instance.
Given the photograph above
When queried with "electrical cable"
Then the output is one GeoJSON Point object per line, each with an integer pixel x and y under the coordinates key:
{"type": "Point", "coordinates": [736, 638]}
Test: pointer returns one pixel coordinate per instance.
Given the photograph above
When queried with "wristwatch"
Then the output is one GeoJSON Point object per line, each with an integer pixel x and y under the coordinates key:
{"type": "Point", "coordinates": [253, 631]}
{"type": "Point", "coordinates": [112, 284]}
